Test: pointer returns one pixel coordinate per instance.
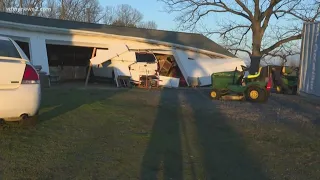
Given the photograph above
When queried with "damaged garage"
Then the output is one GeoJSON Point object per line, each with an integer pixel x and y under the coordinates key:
{"type": "Point", "coordinates": [77, 51]}
{"type": "Point", "coordinates": [68, 63]}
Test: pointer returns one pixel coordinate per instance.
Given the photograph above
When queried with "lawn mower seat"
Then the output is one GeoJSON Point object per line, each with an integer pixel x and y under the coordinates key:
{"type": "Point", "coordinates": [257, 74]}
{"type": "Point", "coordinates": [255, 69]}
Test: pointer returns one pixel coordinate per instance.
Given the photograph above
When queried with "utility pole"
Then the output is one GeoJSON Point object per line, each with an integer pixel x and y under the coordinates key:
{"type": "Point", "coordinates": [20, 3]}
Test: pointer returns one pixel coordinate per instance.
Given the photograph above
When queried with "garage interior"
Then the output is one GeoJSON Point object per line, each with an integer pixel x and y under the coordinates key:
{"type": "Point", "coordinates": [168, 67]}
{"type": "Point", "coordinates": [68, 63]}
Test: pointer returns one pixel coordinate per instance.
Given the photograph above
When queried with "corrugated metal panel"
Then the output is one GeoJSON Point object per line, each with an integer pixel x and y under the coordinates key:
{"type": "Point", "coordinates": [310, 60]}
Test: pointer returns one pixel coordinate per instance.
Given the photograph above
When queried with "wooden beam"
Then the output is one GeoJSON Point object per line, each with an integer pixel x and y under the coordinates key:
{"type": "Point", "coordinates": [90, 66]}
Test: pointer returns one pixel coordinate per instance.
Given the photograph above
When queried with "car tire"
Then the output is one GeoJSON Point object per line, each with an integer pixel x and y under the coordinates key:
{"type": "Point", "coordinates": [29, 120]}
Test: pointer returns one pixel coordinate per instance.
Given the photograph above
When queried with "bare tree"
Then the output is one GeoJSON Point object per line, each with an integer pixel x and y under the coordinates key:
{"type": "Point", "coordinates": [148, 25]}
{"type": "Point", "coordinates": [31, 7]}
{"type": "Point", "coordinates": [123, 15]}
{"type": "Point", "coordinates": [110, 15]}
{"type": "Point", "coordinates": [80, 10]}
{"type": "Point", "coordinates": [256, 27]}
{"type": "Point", "coordinates": [5, 5]}
{"type": "Point", "coordinates": [53, 5]}
{"type": "Point", "coordinates": [76, 10]}
{"type": "Point", "coordinates": [94, 12]}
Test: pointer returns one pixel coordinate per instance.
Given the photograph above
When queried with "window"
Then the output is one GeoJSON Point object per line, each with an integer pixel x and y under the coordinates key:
{"type": "Point", "coordinates": [8, 49]}
{"type": "Point", "coordinates": [24, 47]}
{"type": "Point", "coordinates": [145, 57]}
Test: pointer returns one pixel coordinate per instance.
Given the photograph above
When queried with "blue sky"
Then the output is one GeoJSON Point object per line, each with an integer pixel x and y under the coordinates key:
{"type": "Point", "coordinates": [152, 10]}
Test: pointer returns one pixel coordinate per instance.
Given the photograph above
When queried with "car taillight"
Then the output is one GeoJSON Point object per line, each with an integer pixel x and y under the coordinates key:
{"type": "Point", "coordinates": [30, 75]}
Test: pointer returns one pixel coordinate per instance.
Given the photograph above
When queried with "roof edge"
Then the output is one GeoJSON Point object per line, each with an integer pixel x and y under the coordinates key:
{"type": "Point", "coordinates": [231, 55]}
{"type": "Point", "coordinates": [104, 25]}
{"type": "Point", "coordinates": [54, 30]}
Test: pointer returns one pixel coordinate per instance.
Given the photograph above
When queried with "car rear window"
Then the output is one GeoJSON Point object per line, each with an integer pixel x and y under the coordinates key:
{"type": "Point", "coordinates": [7, 49]}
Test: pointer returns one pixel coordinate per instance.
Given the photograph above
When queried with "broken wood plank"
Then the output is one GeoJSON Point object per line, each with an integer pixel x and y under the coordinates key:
{"type": "Point", "coordinates": [90, 67]}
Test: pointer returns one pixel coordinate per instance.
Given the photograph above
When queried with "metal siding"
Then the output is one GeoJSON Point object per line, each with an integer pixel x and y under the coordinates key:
{"type": "Point", "coordinates": [310, 60]}
{"type": "Point", "coordinates": [317, 65]}
{"type": "Point", "coordinates": [303, 59]}
{"type": "Point", "coordinates": [300, 82]}
{"type": "Point", "coordinates": [308, 67]}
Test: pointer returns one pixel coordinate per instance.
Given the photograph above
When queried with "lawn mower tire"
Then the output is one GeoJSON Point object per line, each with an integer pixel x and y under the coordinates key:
{"type": "Point", "coordinates": [256, 94]}
{"type": "Point", "coordinates": [215, 94]}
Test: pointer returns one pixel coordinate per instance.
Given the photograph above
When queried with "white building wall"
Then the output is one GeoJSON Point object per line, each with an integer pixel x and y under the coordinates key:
{"type": "Point", "coordinates": [38, 41]}
{"type": "Point", "coordinates": [39, 36]}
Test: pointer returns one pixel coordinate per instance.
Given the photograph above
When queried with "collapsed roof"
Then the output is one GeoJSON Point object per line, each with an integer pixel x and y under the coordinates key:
{"type": "Point", "coordinates": [186, 39]}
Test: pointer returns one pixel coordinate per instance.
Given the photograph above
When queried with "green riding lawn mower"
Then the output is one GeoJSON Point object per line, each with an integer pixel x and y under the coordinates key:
{"type": "Point", "coordinates": [285, 79]}
{"type": "Point", "coordinates": [252, 84]}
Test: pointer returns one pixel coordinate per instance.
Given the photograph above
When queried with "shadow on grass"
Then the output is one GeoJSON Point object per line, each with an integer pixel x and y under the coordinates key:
{"type": "Point", "coordinates": [56, 102]}
{"type": "Point", "coordinates": [224, 152]}
{"type": "Point", "coordinates": [299, 116]}
{"type": "Point", "coordinates": [308, 109]}
{"type": "Point", "coordinates": [164, 152]}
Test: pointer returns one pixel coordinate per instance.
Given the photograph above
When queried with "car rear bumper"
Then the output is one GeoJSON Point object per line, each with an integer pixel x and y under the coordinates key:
{"type": "Point", "coordinates": [24, 100]}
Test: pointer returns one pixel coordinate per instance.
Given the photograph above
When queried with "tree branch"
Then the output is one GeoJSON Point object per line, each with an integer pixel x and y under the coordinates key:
{"type": "Point", "coordinates": [245, 8]}
{"type": "Point", "coordinates": [238, 49]}
{"type": "Point", "coordinates": [279, 43]}
{"type": "Point", "coordinates": [300, 11]}
{"type": "Point", "coordinates": [267, 15]}
{"type": "Point", "coordinates": [259, 13]}
{"type": "Point", "coordinates": [223, 5]}
{"type": "Point", "coordinates": [245, 34]}
{"type": "Point", "coordinates": [219, 6]}
{"type": "Point", "coordinates": [233, 28]}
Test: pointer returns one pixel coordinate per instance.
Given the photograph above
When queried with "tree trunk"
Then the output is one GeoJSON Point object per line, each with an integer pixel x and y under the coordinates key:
{"type": "Point", "coordinates": [256, 39]}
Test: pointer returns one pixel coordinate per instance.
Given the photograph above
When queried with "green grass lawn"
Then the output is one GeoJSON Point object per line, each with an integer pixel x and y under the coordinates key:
{"type": "Point", "coordinates": [138, 134]}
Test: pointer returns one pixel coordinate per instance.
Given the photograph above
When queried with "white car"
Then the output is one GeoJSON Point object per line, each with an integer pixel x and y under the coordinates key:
{"type": "Point", "coordinates": [20, 91]}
